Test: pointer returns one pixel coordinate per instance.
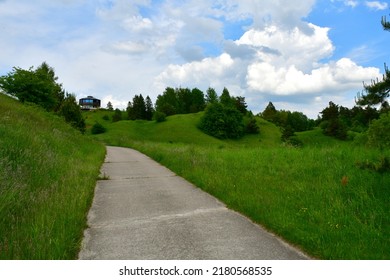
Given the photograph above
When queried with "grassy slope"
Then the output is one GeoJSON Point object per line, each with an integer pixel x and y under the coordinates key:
{"type": "Point", "coordinates": [47, 177]}
{"type": "Point", "coordinates": [296, 193]}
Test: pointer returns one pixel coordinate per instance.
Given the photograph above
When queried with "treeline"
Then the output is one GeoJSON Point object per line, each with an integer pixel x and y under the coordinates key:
{"type": "Point", "coordinates": [337, 120]}
{"type": "Point", "coordinates": [289, 122]}
{"type": "Point", "coordinates": [40, 87]}
{"type": "Point", "coordinates": [225, 116]}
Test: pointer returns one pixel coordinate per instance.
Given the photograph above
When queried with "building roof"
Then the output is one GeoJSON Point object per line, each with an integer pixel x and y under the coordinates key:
{"type": "Point", "coordinates": [89, 97]}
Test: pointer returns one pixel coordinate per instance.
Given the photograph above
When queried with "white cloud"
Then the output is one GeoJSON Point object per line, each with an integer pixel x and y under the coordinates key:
{"type": "Point", "coordinates": [295, 47]}
{"type": "Point", "coordinates": [332, 77]}
{"type": "Point", "coordinates": [351, 3]}
{"type": "Point", "coordinates": [276, 63]}
{"type": "Point", "coordinates": [113, 49]}
{"type": "Point", "coordinates": [205, 72]}
{"type": "Point", "coordinates": [376, 5]}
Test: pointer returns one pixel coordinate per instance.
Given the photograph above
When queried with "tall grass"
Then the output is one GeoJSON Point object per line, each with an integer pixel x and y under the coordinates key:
{"type": "Point", "coordinates": [48, 172]}
{"type": "Point", "coordinates": [316, 197]}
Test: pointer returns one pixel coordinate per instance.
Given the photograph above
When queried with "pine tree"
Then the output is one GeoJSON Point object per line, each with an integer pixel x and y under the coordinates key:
{"type": "Point", "coordinates": [378, 91]}
{"type": "Point", "coordinates": [211, 96]}
{"type": "Point", "coordinates": [149, 111]}
{"type": "Point", "coordinates": [269, 112]}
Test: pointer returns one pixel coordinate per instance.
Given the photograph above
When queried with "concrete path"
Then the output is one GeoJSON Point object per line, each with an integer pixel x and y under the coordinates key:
{"type": "Point", "coordinates": [146, 212]}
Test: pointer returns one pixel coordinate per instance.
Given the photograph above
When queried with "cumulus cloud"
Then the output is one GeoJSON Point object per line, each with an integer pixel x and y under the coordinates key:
{"type": "Point", "coordinates": [278, 64]}
{"type": "Point", "coordinates": [273, 60]}
{"type": "Point", "coordinates": [332, 77]}
{"type": "Point", "coordinates": [113, 49]}
{"type": "Point", "coordinates": [376, 5]}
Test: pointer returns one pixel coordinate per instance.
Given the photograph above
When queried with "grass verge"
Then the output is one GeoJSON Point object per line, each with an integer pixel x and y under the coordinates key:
{"type": "Point", "coordinates": [48, 173]}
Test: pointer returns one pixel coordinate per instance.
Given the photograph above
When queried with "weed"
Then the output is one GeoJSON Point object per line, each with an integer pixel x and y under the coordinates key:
{"type": "Point", "coordinates": [103, 176]}
{"type": "Point", "coordinates": [382, 165]}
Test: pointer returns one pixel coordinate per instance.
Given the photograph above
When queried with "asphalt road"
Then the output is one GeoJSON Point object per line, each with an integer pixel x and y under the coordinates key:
{"type": "Point", "coordinates": [146, 212]}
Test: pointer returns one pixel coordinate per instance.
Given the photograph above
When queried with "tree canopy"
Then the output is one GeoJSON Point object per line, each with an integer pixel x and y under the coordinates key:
{"type": "Point", "coordinates": [40, 87]}
{"type": "Point", "coordinates": [378, 91]}
{"type": "Point", "coordinates": [37, 86]}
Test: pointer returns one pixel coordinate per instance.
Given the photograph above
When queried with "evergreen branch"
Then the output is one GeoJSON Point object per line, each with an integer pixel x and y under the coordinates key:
{"type": "Point", "coordinates": [385, 23]}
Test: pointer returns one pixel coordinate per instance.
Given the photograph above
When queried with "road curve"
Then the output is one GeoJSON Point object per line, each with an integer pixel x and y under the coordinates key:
{"type": "Point", "coordinates": [146, 212]}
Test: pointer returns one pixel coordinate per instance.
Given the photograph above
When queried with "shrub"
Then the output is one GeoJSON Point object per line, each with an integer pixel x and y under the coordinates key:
{"type": "Point", "coordinates": [159, 116]}
{"type": "Point", "coordinates": [222, 122]}
{"type": "Point", "coordinates": [98, 128]}
{"type": "Point", "coordinates": [117, 116]}
{"type": "Point", "coordinates": [379, 132]}
{"type": "Point", "coordinates": [251, 126]}
{"type": "Point", "coordinates": [381, 166]}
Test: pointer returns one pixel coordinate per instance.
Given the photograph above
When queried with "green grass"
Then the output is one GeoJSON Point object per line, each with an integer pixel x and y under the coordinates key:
{"type": "Point", "coordinates": [48, 172]}
{"type": "Point", "coordinates": [298, 193]}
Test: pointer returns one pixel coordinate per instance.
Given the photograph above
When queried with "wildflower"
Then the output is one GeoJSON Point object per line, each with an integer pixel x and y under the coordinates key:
{"type": "Point", "coordinates": [344, 181]}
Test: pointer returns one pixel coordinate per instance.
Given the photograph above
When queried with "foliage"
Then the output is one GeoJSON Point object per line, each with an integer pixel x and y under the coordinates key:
{"type": "Point", "coordinates": [159, 116]}
{"type": "Point", "coordinates": [109, 106]}
{"type": "Point", "coordinates": [137, 109]}
{"type": "Point", "coordinates": [331, 122]}
{"type": "Point", "coordinates": [226, 100]}
{"type": "Point", "coordinates": [381, 166]}
{"type": "Point", "coordinates": [140, 109]}
{"type": "Point", "coordinates": [289, 123]}
{"type": "Point", "coordinates": [269, 112]}
{"type": "Point", "coordinates": [211, 96]}
{"type": "Point", "coordinates": [379, 132]}
{"type": "Point", "coordinates": [71, 111]}
{"type": "Point", "coordinates": [117, 115]}
{"type": "Point", "coordinates": [180, 101]}
{"type": "Point", "coordinates": [40, 87]}
{"type": "Point", "coordinates": [222, 121]}
{"type": "Point", "coordinates": [36, 86]}
{"type": "Point", "coordinates": [378, 91]}
{"type": "Point", "coordinates": [98, 128]}
{"type": "Point", "coordinates": [297, 121]}
{"type": "Point", "coordinates": [149, 110]}
{"type": "Point", "coordinates": [250, 123]}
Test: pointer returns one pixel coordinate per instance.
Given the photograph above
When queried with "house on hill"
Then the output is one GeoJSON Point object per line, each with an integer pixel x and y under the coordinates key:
{"type": "Point", "coordinates": [89, 103]}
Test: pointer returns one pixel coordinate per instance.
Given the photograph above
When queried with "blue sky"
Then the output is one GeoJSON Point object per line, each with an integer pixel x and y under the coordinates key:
{"type": "Point", "coordinates": [299, 54]}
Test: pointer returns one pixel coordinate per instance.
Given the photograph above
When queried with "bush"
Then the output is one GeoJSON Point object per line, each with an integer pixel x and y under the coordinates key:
{"type": "Point", "coordinates": [98, 128]}
{"type": "Point", "coordinates": [379, 132]}
{"type": "Point", "coordinates": [159, 116]}
{"type": "Point", "coordinates": [72, 113]}
{"type": "Point", "coordinates": [251, 126]}
{"type": "Point", "coordinates": [222, 122]}
{"type": "Point", "coordinates": [334, 128]}
{"type": "Point", "coordinates": [381, 166]}
{"type": "Point", "coordinates": [117, 116]}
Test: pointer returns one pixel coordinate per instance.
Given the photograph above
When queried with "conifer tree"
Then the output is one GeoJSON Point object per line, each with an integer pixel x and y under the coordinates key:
{"type": "Point", "coordinates": [378, 91]}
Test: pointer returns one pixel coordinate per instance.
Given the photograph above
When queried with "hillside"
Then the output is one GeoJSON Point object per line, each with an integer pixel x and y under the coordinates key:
{"type": "Point", "coordinates": [180, 129]}
{"type": "Point", "coordinates": [320, 197]}
{"type": "Point", "coordinates": [48, 172]}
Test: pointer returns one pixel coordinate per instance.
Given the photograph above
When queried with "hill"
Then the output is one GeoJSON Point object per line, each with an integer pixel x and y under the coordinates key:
{"type": "Point", "coordinates": [320, 197]}
{"type": "Point", "coordinates": [179, 129]}
{"type": "Point", "coordinates": [48, 171]}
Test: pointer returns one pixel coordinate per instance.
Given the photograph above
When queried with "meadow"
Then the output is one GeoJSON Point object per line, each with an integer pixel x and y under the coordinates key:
{"type": "Point", "coordinates": [48, 172]}
{"type": "Point", "coordinates": [316, 197]}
